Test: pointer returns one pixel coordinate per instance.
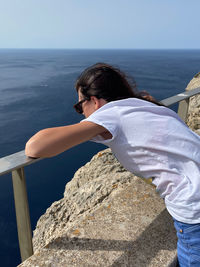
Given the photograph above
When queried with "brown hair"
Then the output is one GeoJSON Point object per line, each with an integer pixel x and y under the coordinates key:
{"type": "Point", "coordinates": [110, 83]}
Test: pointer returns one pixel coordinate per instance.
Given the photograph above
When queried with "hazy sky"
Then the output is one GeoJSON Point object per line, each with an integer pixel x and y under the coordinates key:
{"type": "Point", "coordinates": [99, 24]}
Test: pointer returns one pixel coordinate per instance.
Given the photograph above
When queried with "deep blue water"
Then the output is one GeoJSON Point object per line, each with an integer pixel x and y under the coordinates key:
{"type": "Point", "coordinates": [37, 91]}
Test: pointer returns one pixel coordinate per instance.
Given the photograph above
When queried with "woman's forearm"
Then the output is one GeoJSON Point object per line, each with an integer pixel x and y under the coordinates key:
{"type": "Point", "coordinates": [53, 141]}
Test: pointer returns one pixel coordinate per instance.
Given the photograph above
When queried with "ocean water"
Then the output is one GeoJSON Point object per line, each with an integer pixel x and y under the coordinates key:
{"type": "Point", "coordinates": [37, 91]}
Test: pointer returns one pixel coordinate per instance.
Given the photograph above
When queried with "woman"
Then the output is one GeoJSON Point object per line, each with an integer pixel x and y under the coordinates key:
{"type": "Point", "coordinates": [148, 139]}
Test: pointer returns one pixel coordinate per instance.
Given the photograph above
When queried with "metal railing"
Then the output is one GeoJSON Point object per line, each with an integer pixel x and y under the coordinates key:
{"type": "Point", "coordinates": [15, 164]}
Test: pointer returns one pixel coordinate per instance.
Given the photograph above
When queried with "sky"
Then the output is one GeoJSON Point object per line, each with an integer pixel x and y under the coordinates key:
{"type": "Point", "coordinates": [100, 24]}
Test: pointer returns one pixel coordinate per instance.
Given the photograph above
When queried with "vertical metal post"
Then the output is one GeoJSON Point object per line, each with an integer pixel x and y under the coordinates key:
{"type": "Point", "coordinates": [22, 213]}
{"type": "Point", "coordinates": [183, 109]}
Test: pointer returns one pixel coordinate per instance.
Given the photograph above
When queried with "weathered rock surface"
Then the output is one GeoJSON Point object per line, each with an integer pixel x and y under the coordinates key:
{"type": "Point", "coordinates": [92, 184]}
{"type": "Point", "coordinates": [193, 120]}
{"type": "Point", "coordinates": [108, 217]}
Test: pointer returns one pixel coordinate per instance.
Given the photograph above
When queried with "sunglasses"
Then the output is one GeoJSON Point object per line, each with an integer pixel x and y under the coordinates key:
{"type": "Point", "coordinates": [78, 106]}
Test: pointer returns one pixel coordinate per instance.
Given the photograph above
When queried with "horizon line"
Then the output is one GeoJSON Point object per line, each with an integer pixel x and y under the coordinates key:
{"type": "Point", "coordinates": [59, 48]}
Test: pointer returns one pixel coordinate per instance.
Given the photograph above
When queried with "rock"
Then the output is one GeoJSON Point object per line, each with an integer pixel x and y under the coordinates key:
{"type": "Point", "coordinates": [108, 217]}
{"type": "Point", "coordinates": [193, 118]}
{"type": "Point", "coordinates": [91, 184]}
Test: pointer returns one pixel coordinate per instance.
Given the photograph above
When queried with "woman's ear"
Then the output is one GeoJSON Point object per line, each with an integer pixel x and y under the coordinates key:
{"type": "Point", "coordinates": [96, 102]}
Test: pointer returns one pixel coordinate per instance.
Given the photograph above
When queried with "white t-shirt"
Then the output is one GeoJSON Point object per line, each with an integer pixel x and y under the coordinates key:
{"type": "Point", "coordinates": [152, 141]}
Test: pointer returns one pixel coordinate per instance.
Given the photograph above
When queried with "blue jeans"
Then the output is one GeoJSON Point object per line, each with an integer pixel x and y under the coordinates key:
{"type": "Point", "coordinates": [188, 245]}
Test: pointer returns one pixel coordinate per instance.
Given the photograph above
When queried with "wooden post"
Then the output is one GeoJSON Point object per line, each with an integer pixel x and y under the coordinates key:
{"type": "Point", "coordinates": [183, 109]}
{"type": "Point", "coordinates": [22, 214]}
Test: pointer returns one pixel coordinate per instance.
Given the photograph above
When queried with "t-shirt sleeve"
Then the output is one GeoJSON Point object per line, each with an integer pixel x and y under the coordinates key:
{"type": "Point", "coordinates": [106, 117]}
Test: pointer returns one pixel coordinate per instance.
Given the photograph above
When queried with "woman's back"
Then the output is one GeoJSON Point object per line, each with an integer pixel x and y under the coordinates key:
{"type": "Point", "coordinates": [152, 141]}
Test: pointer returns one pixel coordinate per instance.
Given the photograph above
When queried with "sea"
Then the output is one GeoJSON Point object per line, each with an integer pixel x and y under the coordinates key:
{"type": "Point", "coordinates": [37, 92]}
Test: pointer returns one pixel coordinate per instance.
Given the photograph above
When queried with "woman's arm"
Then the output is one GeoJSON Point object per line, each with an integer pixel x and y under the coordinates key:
{"type": "Point", "coordinates": [53, 141]}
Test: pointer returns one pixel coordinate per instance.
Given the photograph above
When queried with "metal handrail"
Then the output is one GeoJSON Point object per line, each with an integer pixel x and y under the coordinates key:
{"type": "Point", "coordinates": [15, 163]}
{"type": "Point", "coordinates": [179, 97]}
